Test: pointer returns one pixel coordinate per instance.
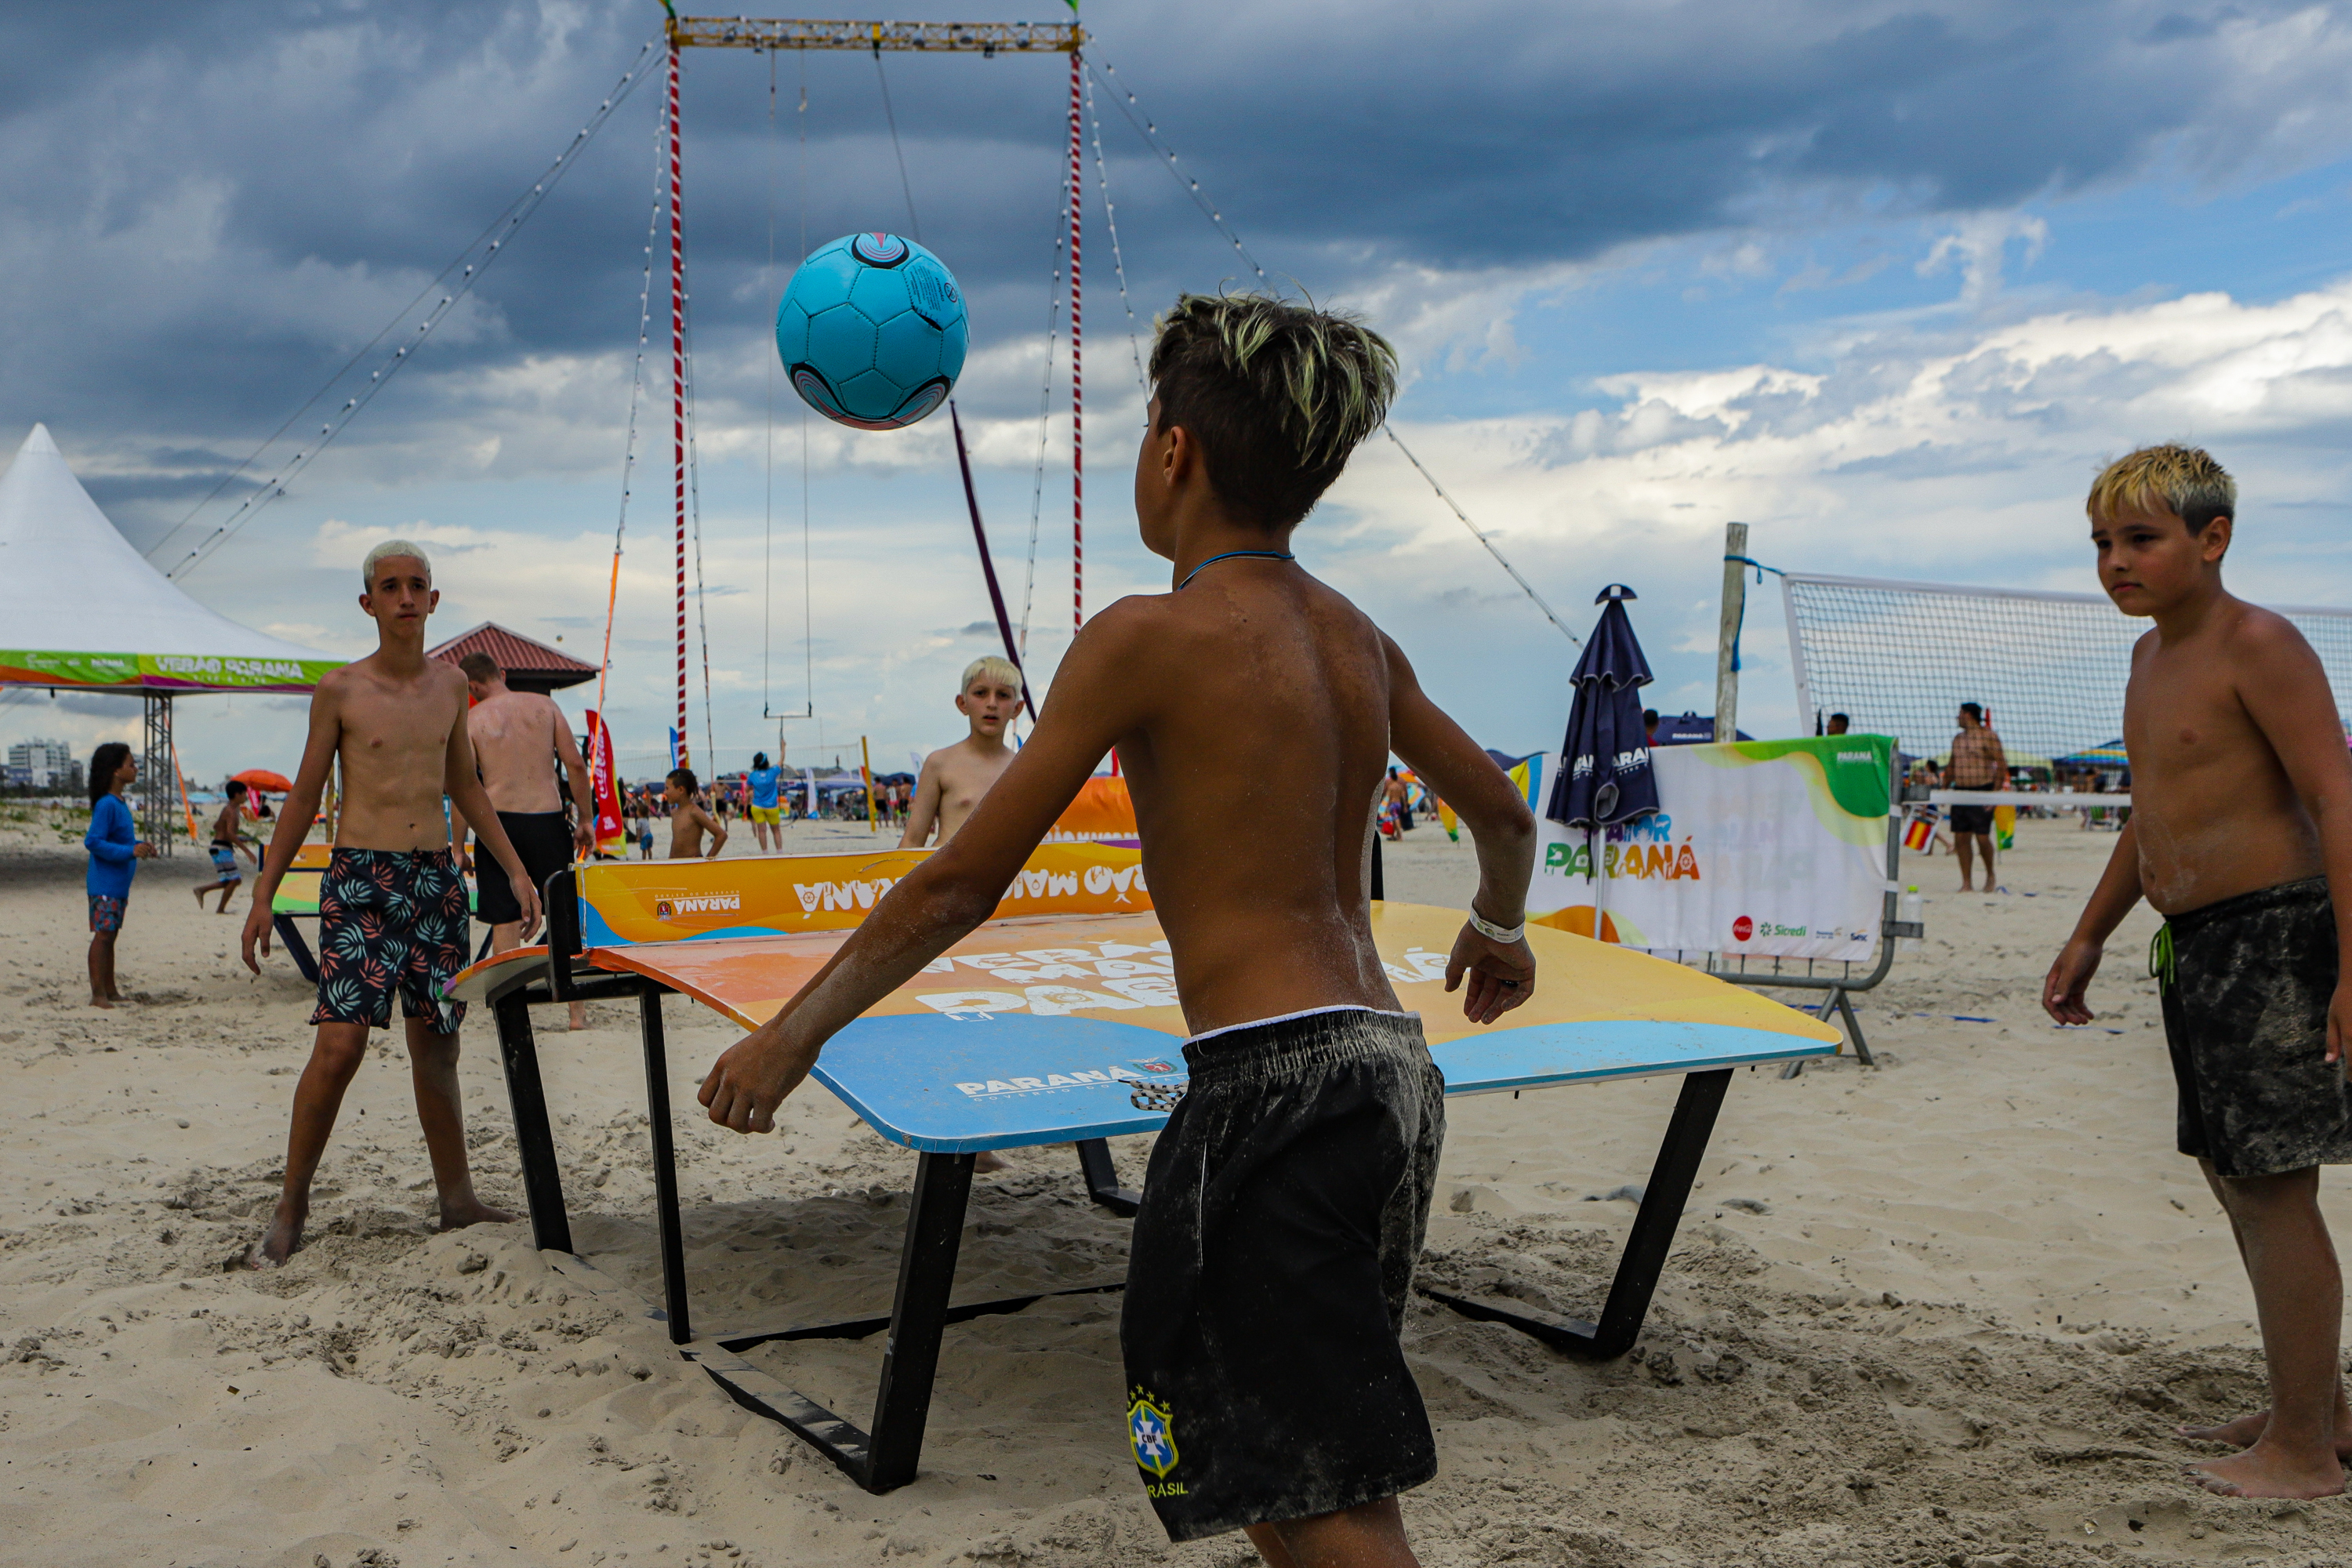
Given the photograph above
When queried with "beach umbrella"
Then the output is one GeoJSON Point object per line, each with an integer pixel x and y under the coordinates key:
{"type": "Point", "coordinates": [263, 779]}
{"type": "Point", "coordinates": [1605, 776]}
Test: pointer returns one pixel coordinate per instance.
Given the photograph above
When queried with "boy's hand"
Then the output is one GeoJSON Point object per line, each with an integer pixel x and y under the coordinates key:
{"type": "Point", "coordinates": [526, 898]}
{"type": "Point", "coordinates": [2339, 1028]}
{"type": "Point", "coordinates": [144, 852]}
{"type": "Point", "coordinates": [1500, 977]}
{"type": "Point", "coordinates": [754, 1076]}
{"type": "Point", "coordinates": [584, 838]}
{"type": "Point", "coordinates": [2061, 991]}
{"type": "Point", "coordinates": [258, 926]}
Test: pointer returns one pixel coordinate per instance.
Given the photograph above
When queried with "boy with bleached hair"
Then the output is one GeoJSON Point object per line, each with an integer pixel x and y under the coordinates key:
{"type": "Point", "coordinates": [392, 906]}
{"type": "Point", "coordinates": [955, 777]}
{"type": "Point", "coordinates": [1254, 709]}
{"type": "Point", "coordinates": [2241, 835]}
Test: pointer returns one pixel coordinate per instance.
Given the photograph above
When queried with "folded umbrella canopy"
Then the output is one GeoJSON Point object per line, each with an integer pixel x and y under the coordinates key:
{"type": "Point", "coordinates": [1605, 776]}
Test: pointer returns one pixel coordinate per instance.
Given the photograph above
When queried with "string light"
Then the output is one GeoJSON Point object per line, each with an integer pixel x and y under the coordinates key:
{"type": "Point", "coordinates": [1117, 260]}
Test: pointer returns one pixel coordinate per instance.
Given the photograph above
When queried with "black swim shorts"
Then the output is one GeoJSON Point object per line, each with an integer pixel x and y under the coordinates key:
{"type": "Point", "coordinates": [542, 841]}
{"type": "Point", "coordinates": [1284, 1208]}
{"type": "Point", "coordinates": [2246, 985]}
{"type": "Point", "coordinates": [388, 922]}
{"type": "Point", "coordinates": [1970, 819]}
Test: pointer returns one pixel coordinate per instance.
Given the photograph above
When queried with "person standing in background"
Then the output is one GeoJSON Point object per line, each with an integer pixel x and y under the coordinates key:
{"type": "Point", "coordinates": [115, 850]}
{"type": "Point", "coordinates": [1978, 763]}
{"type": "Point", "coordinates": [767, 812]}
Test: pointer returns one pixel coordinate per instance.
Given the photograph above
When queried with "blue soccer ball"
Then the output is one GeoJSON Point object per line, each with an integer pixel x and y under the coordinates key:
{"type": "Point", "coordinates": [872, 332]}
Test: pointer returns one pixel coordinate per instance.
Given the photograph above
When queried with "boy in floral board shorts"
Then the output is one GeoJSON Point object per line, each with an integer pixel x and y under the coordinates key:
{"type": "Point", "coordinates": [392, 905]}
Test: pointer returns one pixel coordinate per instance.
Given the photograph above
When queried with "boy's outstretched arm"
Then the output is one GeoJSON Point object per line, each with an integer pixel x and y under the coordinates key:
{"type": "Point", "coordinates": [2285, 687]}
{"type": "Point", "coordinates": [1502, 830]}
{"type": "Point", "coordinates": [301, 805]}
{"type": "Point", "coordinates": [2111, 901]}
{"type": "Point", "coordinates": [925, 810]}
{"type": "Point", "coordinates": [938, 902]}
{"type": "Point", "coordinates": [463, 785]}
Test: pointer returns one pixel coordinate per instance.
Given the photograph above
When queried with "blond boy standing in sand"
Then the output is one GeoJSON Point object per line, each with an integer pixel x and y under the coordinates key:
{"type": "Point", "coordinates": [392, 905]}
{"type": "Point", "coordinates": [1288, 1197]}
{"type": "Point", "coordinates": [2241, 837]}
{"type": "Point", "coordinates": [955, 777]}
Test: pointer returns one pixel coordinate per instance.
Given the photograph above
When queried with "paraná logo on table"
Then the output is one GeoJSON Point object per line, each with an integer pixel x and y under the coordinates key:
{"type": "Point", "coordinates": [1742, 928]}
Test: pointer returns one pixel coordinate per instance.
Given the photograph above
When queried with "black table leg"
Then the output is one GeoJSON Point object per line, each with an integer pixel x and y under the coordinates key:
{"type": "Point", "coordinates": [673, 1239]}
{"type": "Point", "coordinates": [926, 1273]}
{"type": "Point", "coordinates": [289, 937]}
{"type": "Point", "coordinates": [542, 1181]}
{"type": "Point", "coordinates": [1102, 1178]}
{"type": "Point", "coordinates": [1647, 1246]}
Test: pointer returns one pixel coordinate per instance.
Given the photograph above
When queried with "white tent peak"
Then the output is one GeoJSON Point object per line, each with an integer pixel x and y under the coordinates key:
{"type": "Point", "coordinates": [70, 585]}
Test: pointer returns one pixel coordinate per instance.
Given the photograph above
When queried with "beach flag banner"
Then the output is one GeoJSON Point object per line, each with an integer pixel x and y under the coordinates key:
{"type": "Point", "coordinates": [1103, 812]}
{"type": "Point", "coordinates": [1919, 830]}
{"type": "Point", "coordinates": [2004, 827]}
{"type": "Point", "coordinates": [1771, 847]}
{"type": "Point", "coordinates": [674, 738]}
{"type": "Point", "coordinates": [603, 787]}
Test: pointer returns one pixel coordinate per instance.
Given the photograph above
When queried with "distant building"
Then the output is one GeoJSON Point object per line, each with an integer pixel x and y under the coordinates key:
{"type": "Point", "coordinates": [43, 764]}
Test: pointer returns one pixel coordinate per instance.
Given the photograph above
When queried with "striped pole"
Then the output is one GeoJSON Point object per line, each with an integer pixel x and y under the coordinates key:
{"type": "Point", "coordinates": [677, 383]}
{"type": "Point", "coordinates": [1077, 378]}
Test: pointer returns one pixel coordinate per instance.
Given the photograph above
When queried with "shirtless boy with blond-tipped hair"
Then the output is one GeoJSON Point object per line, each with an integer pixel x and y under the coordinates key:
{"type": "Point", "coordinates": [1287, 1199]}
{"type": "Point", "coordinates": [2242, 837]}
{"type": "Point", "coordinates": [392, 905]}
{"type": "Point", "coordinates": [955, 777]}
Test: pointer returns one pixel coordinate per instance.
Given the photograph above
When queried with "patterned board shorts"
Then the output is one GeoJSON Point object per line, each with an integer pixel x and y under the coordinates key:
{"type": "Point", "coordinates": [106, 913]}
{"type": "Point", "coordinates": [225, 863]}
{"type": "Point", "coordinates": [391, 920]}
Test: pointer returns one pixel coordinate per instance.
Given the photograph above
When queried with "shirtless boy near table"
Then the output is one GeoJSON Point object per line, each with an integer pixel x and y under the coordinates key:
{"type": "Point", "coordinates": [955, 777]}
{"type": "Point", "coordinates": [392, 905]}
{"type": "Point", "coordinates": [1289, 1194]}
{"type": "Point", "coordinates": [2241, 835]}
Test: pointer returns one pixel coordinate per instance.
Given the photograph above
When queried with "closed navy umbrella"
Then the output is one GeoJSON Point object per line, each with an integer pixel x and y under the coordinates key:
{"type": "Point", "coordinates": [1604, 775]}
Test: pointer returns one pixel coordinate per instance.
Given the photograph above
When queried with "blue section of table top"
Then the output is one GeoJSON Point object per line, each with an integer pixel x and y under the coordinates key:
{"type": "Point", "coordinates": [961, 1083]}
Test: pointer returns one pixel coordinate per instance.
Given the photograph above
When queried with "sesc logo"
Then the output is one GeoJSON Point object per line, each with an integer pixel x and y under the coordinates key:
{"type": "Point", "coordinates": [1742, 928]}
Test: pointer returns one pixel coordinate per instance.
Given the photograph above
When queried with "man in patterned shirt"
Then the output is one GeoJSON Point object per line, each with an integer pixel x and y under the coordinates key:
{"type": "Point", "coordinates": [1978, 763]}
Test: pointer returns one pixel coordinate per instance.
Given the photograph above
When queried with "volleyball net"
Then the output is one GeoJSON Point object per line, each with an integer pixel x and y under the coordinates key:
{"type": "Point", "coordinates": [1899, 659]}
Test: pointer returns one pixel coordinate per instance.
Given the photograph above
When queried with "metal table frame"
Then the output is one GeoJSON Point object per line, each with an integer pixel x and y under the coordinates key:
{"type": "Point", "coordinates": [885, 1455]}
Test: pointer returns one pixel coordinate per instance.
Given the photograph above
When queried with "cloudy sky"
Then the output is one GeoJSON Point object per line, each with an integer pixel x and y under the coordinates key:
{"type": "Point", "coordinates": [1886, 280]}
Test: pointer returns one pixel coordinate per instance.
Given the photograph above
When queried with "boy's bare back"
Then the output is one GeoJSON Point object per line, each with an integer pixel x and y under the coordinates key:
{"type": "Point", "coordinates": [2213, 808]}
{"type": "Point", "coordinates": [518, 737]}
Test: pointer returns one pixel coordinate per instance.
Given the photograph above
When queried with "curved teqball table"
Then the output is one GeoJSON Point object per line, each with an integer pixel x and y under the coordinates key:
{"type": "Point", "coordinates": [1058, 1027]}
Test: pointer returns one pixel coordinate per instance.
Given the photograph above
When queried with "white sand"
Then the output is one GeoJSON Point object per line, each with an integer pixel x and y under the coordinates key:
{"type": "Point", "coordinates": [1943, 1312]}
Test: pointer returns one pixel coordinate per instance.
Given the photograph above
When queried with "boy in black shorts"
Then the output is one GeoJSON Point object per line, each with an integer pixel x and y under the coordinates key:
{"type": "Point", "coordinates": [2241, 835]}
{"type": "Point", "coordinates": [392, 905]}
{"type": "Point", "coordinates": [1267, 1389]}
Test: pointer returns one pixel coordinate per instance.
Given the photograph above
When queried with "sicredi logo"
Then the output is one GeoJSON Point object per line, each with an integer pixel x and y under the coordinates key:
{"type": "Point", "coordinates": [1742, 928]}
{"type": "Point", "coordinates": [697, 904]}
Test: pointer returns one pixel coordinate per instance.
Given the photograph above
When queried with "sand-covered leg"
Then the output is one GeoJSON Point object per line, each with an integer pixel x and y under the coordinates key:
{"type": "Point", "coordinates": [335, 1059]}
{"type": "Point", "coordinates": [1369, 1535]}
{"type": "Point", "coordinates": [101, 969]}
{"type": "Point", "coordinates": [432, 1067]}
{"type": "Point", "coordinates": [2299, 1302]}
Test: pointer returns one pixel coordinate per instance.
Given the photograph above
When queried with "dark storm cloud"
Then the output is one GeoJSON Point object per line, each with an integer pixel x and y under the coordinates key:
{"type": "Point", "coordinates": [208, 206]}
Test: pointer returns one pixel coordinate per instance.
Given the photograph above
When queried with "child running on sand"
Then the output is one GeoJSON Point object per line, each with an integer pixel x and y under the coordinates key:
{"type": "Point", "coordinates": [687, 821]}
{"type": "Point", "coordinates": [228, 837]}
{"type": "Point", "coordinates": [392, 906]}
{"type": "Point", "coordinates": [955, 777]}
{"type": "Point", "coordinates": [2241, 835]}
{"type": "Point", "coordinates": [1287, 1198]}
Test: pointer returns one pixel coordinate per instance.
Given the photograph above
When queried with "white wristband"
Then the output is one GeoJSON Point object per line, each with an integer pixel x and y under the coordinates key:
{"type": "Point", "coordinates": [1493, 932]}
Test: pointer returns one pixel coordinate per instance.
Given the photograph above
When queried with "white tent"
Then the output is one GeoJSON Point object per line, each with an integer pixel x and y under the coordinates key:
{"type": "Point", "coordinates": [80, 608]}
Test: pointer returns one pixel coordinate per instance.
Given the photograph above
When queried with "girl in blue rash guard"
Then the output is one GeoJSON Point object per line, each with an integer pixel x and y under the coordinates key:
{"type": "Point", "coordinates": [115, 851]}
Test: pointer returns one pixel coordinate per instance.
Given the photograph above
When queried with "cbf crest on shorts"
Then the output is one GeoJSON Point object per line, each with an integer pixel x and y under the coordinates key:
{"type": "Point", "coordinates": [1151, 1432]}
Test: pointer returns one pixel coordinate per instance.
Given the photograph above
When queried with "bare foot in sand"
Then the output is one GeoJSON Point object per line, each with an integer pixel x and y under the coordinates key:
{"type": "Point", "coordinates": [472, 1211]}
{"type": "Point", "coordinates": [2262, 1472]}
{"type": "Point", "coordinates": [100, 1002]}
{"type": "Point", "coordinates": [989, 1161]}
{"type": "Point", "coordinates": [280, 1241]}
{"type": "Point", "coordinates": [2247, 1430]}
